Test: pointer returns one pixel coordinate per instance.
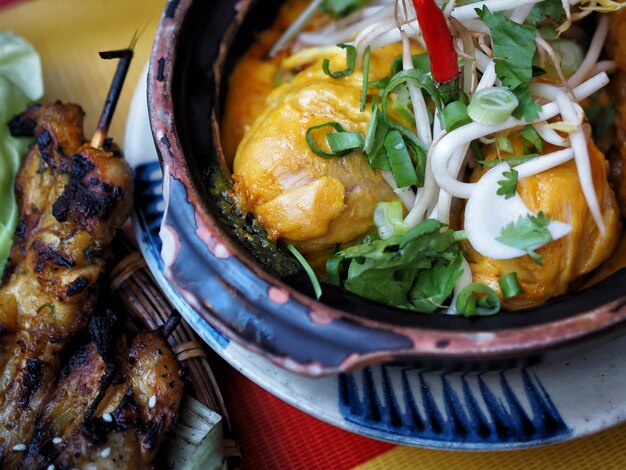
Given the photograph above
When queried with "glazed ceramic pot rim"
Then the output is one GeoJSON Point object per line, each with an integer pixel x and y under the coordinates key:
{"type": "Point", "coordinates": [426, 343]}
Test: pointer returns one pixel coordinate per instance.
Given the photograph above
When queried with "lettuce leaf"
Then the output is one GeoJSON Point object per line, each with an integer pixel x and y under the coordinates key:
{"type": "Point", "coordinates": [21, 83]}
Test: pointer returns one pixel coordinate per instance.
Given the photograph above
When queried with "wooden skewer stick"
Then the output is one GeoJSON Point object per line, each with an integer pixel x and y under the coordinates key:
{"type": "Point", "coordinates": [171, 324]}
{"type": "Point", "coordinates": [125, 56]}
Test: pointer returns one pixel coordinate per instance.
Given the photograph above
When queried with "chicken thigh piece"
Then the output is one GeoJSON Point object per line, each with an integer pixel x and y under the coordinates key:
{"type": "Point", "coordinates": [558, 194]}
{"type": "Point", "coordinates": [304, 199]}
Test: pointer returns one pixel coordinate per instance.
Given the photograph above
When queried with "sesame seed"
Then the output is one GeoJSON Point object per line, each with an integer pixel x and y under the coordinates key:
{"type": "Point", "coordinates": [107, 417]}
{"type": "Point", "coordinates": [19, 447]}
{"type": "Point", "coordinates": [152, 402]}
{"type": "Point", "coordinates": [106, 452]}
{"type": "Point", "coordinates": [51, 467]}
{"type": "Point", "coordinates": [57, 440]}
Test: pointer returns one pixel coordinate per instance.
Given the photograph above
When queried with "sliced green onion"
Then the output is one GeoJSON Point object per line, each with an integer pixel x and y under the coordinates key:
{"type": "Point", "coordinates": [380, 83]}
{"type": "Point", "coordinates": [422, 81]}
{"type": "Point", "coordinates": [340, 142]}
{"type": "Point", "coordinates": [571, 56]}
{"type": "Point", "coordinates": [492, 106]}
{"type": "Point", "coordinates": [416, 146]}
{"type": "Point", "coordinates": [420, 62]}
{"type": "Point", "coordinates": [455, 115]}
{"type": "Point", "coordinates": [370, 137]}
{"type": "Point", "coordinates": [389, 220]}
{"type": "Point", "coordinates": [402, 104]}
{"type": "Point", "coordinates": [350, 62]}
{"type": "Point", "coordinates": [504, 143]}
{"type": "Point", "coordinates": [366, 76]}
{"type": "Point", "coordinates": [374, 147]}
{"type": "Point", "coordinates": [400, 160]}
{"type": "Point", "coordinates": [509, 285]}
{"type": "Point", "coordinates": [308, 269]}
{"type": "Point", "coordinates": [478, 299]}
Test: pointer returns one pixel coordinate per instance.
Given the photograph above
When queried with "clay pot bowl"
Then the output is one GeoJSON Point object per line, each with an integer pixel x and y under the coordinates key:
{"type": "Point", "coordinates": [196, 46]}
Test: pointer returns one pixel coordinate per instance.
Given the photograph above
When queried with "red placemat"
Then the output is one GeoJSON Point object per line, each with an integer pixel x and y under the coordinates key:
{"type": "Point", "coordinates": [273, 434]}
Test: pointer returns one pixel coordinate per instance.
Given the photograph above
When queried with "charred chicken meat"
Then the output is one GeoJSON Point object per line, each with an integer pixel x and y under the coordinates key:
{"type": "Point", "coordinates": [113, 400]}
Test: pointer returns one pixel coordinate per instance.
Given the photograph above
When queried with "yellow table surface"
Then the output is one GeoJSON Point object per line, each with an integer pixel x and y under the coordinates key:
{"type": "Point", "coordinates": [69, 33]}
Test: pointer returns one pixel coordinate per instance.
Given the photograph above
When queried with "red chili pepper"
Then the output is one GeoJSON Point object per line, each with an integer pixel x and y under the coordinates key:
{"type": "Point", "coordinates": [444, 62]}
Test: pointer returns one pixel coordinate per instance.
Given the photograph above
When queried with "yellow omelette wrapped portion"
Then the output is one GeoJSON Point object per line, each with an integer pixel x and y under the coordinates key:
{"type": "Point", "coordinates": [557, 193]}
{"type": "Point", "coordinates": [298, 196]}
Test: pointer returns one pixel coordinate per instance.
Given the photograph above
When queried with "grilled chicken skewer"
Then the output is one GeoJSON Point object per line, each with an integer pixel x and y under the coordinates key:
{"type": "Point", "coordinates": [72, 198]}
{"type": "Point", "coordinates": [113, 405]}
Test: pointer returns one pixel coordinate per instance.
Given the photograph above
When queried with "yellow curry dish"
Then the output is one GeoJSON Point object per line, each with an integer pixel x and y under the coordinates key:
{"type": "Point", "coordinates": [438, 157]}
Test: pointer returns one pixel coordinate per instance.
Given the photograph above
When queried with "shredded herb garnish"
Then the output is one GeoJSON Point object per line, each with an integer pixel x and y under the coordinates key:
{"type": "Point", "coordinates": [366, 75]}
{"type": "Point", "coordinates": [513, 48]}
{"type": "Point", "coordinates": [308, 269]}
{"type": "Point", "coordinates": [400, 160]}
{"type": "Point", "coordinates": [528, 233]}
{"type": "Point", "coordinates": [416, 271]}
{"type": "Point", "coordinates": [510, 285]}
{"type": "Point", "coordinates": [508, 186]}
{"type": "Point", "coordinates": [478, 299]}
{"type": "Point", "coordinates": [546, 10]}
{"type": "Point", "coordinates": [350, 63]}
{"type": "Point", "coordinates": [455, 115]}
{"type": "Point", "coordinates": [421, 62]}
{"type": "Point", "coordinates": [374, 147]}
{"type": "Point", "coordinates": [380, 83]}
{"type": "Point", "coordinates": [528, 108]}
{"type": "Point", "coordinates": [531, 139]}
{"type": "Point", "coordinates": [340, 142]}
{"type": "Point", "coordinates": [504, 143]}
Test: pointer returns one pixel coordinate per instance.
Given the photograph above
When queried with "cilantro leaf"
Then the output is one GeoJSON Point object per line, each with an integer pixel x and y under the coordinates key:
{"type": "Point", "coordinates": [527, 233]}
{"type": "Point", "coordinates": [508, 186]}
{"type": "Point", "coordinates": [548, 9]}
{"type": "Point", "coordinates": [531, 138]}
{"type": "Point", "coordinates": [513, 48]}
{"type": "Point", "coordinates": [398, 272]}
{"type": "Point", "coordinates": [527, 108]}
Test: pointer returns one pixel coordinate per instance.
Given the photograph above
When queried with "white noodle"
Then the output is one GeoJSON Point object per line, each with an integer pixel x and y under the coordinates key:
{"type": "Point", "coordinates": [549, 135]}
{"type": "Point", "coordinates": [328, 36]}
{"type": "Point", "coordinates": [406, 196]}
{"type": "Point", "coordinates": [468, 12]}
{"type": "Point", "coordinates": [595, 48]}
{"type": "Point", "coordinates": [445, 148]}
{"type": "Point", "coordinates": [579, 145]}
{"type": "Point", "coordinates": [422, 123]}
